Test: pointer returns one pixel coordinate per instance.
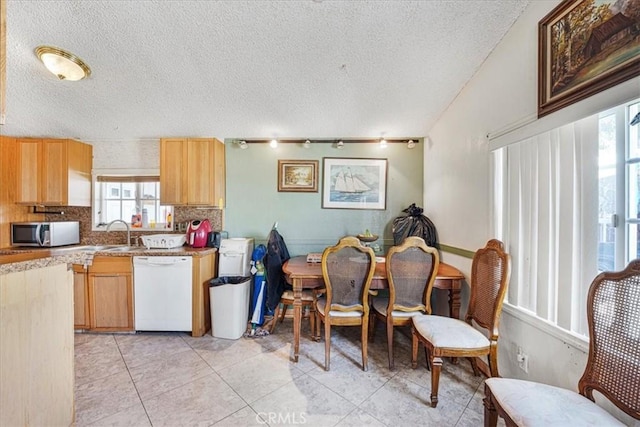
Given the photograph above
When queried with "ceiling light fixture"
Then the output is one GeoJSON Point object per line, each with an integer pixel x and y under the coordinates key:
{"type": "Point", "coordinates": [243, 145]}
{"type": "Point", "coordinates": [307, 144]}
{"type": "Point", "coordinates": [273, 143]}
{"type": "Point", "coordinates": [383, 143]}
{"type": "Point", "coordinates": [411, 144]}
{"type": "Point", "coordinates": [63, 64]}
{"type": "Point", "coordinates": [339, 145]}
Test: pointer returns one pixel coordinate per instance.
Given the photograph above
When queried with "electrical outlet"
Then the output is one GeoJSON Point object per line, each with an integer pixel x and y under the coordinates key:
{"type": "Point", "coordinates": [523, 360]}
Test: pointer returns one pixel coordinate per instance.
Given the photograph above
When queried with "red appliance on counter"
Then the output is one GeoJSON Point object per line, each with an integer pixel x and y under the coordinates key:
{"type": "Point", "coordinates": [197, 233]}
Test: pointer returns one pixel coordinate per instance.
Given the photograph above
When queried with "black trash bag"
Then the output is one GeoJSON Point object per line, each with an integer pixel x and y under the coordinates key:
{"type": "Point", "coordinates": [415, 224]}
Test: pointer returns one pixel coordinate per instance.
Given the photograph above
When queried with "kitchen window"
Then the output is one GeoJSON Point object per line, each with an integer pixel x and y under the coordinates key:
{"type": "Point", "coordinates": [132, 198]}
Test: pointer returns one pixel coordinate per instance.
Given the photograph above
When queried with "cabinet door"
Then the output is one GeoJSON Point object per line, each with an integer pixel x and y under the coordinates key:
{"type": "Point", "coordinates": [29, 171]}
{"type": "Point", "coordinates": [219, 174]}
{"type": "Point", "coordinates": [112, 297]}
{"type": "Point", "coordinates": [55, 172]}
{"type": "Point", "coordinates": [199, 172]}
{"type": "Point", "coordinates": [172, 171]}
{"type": "Point", "coordinates": [79, 164]}
{"type": "Point", "coordinates": [80, 297]}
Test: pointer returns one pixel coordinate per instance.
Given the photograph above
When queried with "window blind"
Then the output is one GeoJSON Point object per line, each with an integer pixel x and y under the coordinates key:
{"type": "Point", "coordinates": [546, 209]}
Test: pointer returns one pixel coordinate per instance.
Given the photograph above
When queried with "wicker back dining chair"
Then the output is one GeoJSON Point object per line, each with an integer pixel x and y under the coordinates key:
{"type": "Point", "coordinates": [411, 270]}
{"type": "Point", "coordinates": [613, 365]}
{"type": "Point", "coordinates": [447, 337]}
{"type": "Point", "coordinates": [347, 270]}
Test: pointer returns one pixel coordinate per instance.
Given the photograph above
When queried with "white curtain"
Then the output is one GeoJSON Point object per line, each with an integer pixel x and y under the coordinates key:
{"type": "Point", "coordinates": [547, 189]}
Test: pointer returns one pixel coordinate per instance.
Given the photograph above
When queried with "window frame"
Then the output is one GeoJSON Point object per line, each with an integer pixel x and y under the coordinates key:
{"type": "Point", "coordinates": [129, 175]}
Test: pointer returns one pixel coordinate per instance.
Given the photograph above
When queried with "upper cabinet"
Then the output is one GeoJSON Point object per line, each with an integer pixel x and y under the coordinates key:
{"type": "Point", "coordinates": [192, 172]}
{"type": "Point", "coordinates": [54, 172]}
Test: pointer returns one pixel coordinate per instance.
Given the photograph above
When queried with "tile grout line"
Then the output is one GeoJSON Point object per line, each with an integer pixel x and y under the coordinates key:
{"type": "Point", "coordinates": [126, 365]}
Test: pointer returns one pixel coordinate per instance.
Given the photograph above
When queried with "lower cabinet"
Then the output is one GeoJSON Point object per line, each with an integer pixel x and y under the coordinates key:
{"type": "Point", "coordinates": [80, 297]}
{"type": "Point", "coordinates": [103, 294]}
{"type": "Point", "coordinates": [111, 294]}
{"type": "Point", "coordinates": [204, 269]}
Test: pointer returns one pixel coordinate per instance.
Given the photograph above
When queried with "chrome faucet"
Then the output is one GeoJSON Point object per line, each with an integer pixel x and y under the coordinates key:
{"type": "Point", "coordinates": [126, 224]}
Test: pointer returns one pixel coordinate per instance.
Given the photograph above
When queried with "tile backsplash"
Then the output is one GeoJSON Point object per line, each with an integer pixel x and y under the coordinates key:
{"type": "Point", "coordinates": [182, 214]}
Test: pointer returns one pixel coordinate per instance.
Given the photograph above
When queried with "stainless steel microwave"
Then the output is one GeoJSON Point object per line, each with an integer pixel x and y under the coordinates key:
{"type": "Point", "coordinates": [45, 234]}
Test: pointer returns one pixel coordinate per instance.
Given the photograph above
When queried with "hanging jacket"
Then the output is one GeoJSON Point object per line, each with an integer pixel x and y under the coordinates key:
{"type": "Point", "coordinates": [277, 255]}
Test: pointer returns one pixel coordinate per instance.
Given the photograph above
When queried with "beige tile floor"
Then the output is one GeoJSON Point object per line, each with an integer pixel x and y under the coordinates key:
{"type": "Point", "coordinates": [172, 379]}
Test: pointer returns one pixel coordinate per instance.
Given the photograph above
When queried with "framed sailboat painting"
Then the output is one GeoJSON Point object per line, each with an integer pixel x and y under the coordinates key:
{"type": "Point", "coordinates": [354, 183]}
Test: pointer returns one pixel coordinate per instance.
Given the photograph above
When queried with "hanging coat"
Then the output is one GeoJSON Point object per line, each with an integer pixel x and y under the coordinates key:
{"type": "Point", "coordinates": [277, 255]}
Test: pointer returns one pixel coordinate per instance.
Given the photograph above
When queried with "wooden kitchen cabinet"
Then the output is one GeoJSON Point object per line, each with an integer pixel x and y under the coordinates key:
{"type": "Point", "coordinates": [111, 294]}
{"type": "Point", "coordinates": [192, 172]}
{"type": "Point", "coordinates": [80, 297]}
{"type": "Point", "coordinates": [54, 172]}
{"type": "Point", "coordinates": [204, 269]}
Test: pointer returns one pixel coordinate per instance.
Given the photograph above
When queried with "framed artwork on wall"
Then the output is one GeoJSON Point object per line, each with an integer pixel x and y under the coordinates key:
{"type": "Point", "coordinates": [298, 176]}
{"type": "Point", "coordinates": [584, 47]}
{"type": "Point", "coordinates": [354, 183]}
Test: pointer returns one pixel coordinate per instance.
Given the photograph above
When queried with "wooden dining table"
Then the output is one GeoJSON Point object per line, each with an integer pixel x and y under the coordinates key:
{"type": "Point", "coordinates": [301, 274]}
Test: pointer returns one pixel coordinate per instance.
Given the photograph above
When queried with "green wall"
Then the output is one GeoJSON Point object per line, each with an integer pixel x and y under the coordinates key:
{"type": "Point", "coordinates": [254, 203]}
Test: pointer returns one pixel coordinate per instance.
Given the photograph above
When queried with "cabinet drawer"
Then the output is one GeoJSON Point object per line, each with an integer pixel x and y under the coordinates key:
{"type": "Point", "coordinates": [113, 265]}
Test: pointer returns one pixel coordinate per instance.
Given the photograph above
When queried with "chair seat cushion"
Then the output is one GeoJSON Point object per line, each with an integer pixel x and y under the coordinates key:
{"type": "Point", "coordinates": [535, 404]}
{"type": "Point", "coordinates": [335, 313]}
{"type": "Point", "coordinates": [445, 332]}
{"type": "Point", "coordinates": [380, 305]}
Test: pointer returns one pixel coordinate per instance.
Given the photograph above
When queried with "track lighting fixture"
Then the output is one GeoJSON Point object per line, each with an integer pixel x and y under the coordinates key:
{"type": "Point", "coordinates": [339, 145]}
{"type": "Point", "coordinates": [273, 143]}
{"type": "Point", "coordinates": [243, 145]}
{"type": "Point", "coordinates": [411, 144]}
{"type": "Point", "coordinates": [307, 144]}
{"type": "Point", "coordinates": [383, 143]}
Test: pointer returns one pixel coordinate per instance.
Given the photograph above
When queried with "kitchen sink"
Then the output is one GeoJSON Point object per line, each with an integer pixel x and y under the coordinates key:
{"type": "Point", "coordinates": [124, 249]}
{"type": "Point", "coordinates": [93, 248]}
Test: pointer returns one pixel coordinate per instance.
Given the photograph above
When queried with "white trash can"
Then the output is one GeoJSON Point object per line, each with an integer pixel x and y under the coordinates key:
{"type": "Point", "coordinates": [229, 302]}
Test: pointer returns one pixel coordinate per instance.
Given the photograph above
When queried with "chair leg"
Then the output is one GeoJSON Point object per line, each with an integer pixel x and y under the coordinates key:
{"type": "Point", "coordinates": [414, 348]}
{"type": "Point", "coordinates": [275, 319]}
{"type": "Point", "coordinates": [327, 343]}
{"type": "Point", "coordinates": [312, 321]}
{"type": "Point", "coordinates": [493, 359]}
{"type": "Point", "coordinates": [284, 311]}
{"type": "Point", "coordinates": [474, 365]}
{"type": "Point", "coordinates": [318, 322]}
{"type": "Point", "coordinates": [372, 324]}
{"type": "Point", "coordinates": [365, 341]}
{"type": "Point", "coordinates": [436, 367]}
{"type": "Point", "coordinates": [390, 341]}
{"type": "Point", "coordinates": [490, 413]}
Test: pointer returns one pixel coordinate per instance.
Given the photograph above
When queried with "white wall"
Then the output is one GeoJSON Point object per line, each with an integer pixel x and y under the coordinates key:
{"type": "Point", "coordinates": [457, 189]}
{"type": "Point", "coordinates": [126, 154]}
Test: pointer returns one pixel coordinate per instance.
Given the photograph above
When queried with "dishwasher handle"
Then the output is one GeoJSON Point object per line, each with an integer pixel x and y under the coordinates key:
{"type": "Point", "coordinates": [159, 261]}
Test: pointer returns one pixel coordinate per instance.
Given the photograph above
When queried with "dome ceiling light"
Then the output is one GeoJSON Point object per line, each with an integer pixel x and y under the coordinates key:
{"type": "Point", "coordinates": [63, 64]}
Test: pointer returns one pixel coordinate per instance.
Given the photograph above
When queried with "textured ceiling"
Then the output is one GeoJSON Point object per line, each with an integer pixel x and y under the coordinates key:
{"type": "Point", "coordinates": [297, 69]}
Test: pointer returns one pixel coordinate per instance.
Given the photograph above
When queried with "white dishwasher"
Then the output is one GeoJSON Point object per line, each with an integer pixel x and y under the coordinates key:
{"type": "Point", "coordinates": [162, 293]}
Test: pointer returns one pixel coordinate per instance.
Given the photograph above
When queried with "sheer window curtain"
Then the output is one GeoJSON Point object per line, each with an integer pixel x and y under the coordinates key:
{"type": "Point", "coordinates": [545, 210]}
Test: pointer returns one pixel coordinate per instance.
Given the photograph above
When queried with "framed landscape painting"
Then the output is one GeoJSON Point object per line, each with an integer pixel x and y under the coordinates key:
{"type": "Point", "coordinates": [298, 175]}
{"type": "Point", "coordinates": [354, 183]}
{"type": "Point", "coordinates": [586, 46]}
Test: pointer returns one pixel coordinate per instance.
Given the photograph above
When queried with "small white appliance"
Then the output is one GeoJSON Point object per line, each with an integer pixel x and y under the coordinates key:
{"type": "Point", "coordinates": [162, 293]}
{"type": "Point", "coordinates": [234, 257]}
